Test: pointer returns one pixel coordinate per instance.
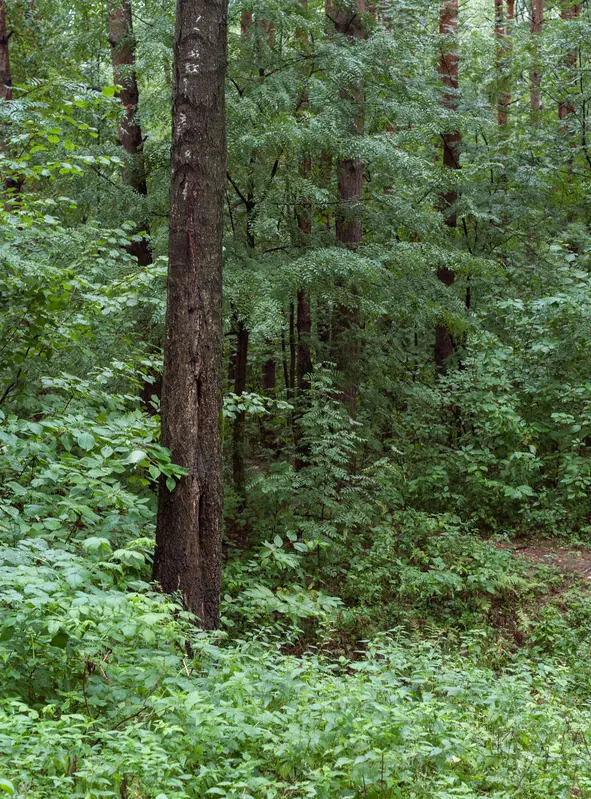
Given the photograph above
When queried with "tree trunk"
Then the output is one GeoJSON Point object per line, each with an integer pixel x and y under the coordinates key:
{"type": "Point", "coordinates": [448, 70]}
{"type": "Point", "coordinates": [451, 140]}
{"type": "Point", "coordinates": [305, 365]}
{"type": "Point", "coordinates": [502, 33]}
{"type": "Point", "coordinates": [269, 377]}
{"type": "Point", "coordinates": [239, 431]}
{"type": "Point", "coordinates": [246, 22]}
{"type": "Point", "coordinates": [12, 185]}
{"type": "Point", "coordinates": [292, 350]}
{"type": "Point", "coordinates": [5, 74]}
{"type": "Point", "coordinates": [122, 43]}
{"type": "Point", "coordinates": [349, 230]}
{"type": "Point", "coordinates": [566, 107]}
{"type": "Point", "coordinates": [304, 217]}
{"type": "Point", "coordinates": [189, 526]}
{"type": "Point", "coordinates": [537, 23]}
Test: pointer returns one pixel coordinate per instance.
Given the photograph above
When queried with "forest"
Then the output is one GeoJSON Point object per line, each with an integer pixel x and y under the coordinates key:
{"type": "Point", "coordinates": [295, 399]}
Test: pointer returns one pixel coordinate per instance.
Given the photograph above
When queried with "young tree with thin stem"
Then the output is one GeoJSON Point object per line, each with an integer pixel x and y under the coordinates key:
{"type": "Point", "coordinates": [304, 220]}
{"type": "Point", "coordinates": [5, 74]}
{"type": "Point", "coordinates": [536, 27]}
{"type": "Point", "coordinates": [566, 107]}
{"type": "Point", "coordinates": [451, 141]}
{"type": "Point", "coordinates": [189, 524]}
{"type": "Point", "coordinates": [122, 43]}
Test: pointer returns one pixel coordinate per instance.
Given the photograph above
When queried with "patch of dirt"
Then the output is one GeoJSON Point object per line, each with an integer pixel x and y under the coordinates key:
{"type": "Point", "coordinates": [569, 560]}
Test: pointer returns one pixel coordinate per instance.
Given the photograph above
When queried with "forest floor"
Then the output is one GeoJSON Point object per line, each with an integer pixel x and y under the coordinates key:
{"type": "Point", "coordinates": [573, 560]}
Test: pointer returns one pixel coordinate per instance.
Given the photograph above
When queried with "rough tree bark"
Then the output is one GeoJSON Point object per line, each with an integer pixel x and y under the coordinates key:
{"type": "Point", "coordinates": [122, 43]}
{"type": "Point", "coordinates": [189, 525]}
{"type": "Point", "coordinates": [451, 140]}
{"type": "Point", "coordinates": [536, 25]}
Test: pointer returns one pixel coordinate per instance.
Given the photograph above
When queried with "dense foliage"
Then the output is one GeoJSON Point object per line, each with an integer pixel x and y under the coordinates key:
{"type": "Point", "coordinates": [377, 639]}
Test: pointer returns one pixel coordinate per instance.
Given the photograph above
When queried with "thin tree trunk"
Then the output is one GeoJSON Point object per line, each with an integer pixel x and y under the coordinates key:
{"type": "Point", "coordinates": [503, 33]}
{"type": "Point", "coordinates": [292, 349]}
{"type": "Point", "coordinates": [13, 184]}
{"type": "Point", "coordinates": [305, 365]}
{"type": "Point", "coordinates": [246, 22]}
{"type": "Point", "coordinates": [5, 74]}
{"type": "Point", "coordinates": [349, 230]}
{"type": "Point", "coordinates": [566, 107]}
{"type": "Point", "coordinates": [122, 43]}
{"type": "Point", "coordinates": [304, 217]}
{"type": "Point", "coordinates": [269, 377]}
{"type": "Point", "coordinates": [239, 431]}
{"type": "Point", "coordinates": [451, 140]}
{"type": "Point", "coordinates": [448, 70]}
{"type": "Point", "coordinates": [537, 24]}
{"type": "Point", "coordinates": [189, 525]}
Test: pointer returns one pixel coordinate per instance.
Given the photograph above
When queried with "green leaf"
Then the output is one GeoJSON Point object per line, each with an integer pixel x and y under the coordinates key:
{"type": "Point", "coordinates": [6, 786]}
{"type": "Point", "coordinates": [60, 639]}
{"type": "Point", "coordinates": [85, 441]}
{"type": "Point", "coordinates": [136, 456]}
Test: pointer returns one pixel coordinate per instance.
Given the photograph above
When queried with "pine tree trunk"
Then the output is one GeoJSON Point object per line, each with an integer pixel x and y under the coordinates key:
{"type": "Point", "coordinates": [537, 23]}
{"type": "Point", "coordinates": [189, 525]}
{"type": "Point", "coordinates": [451, 140]}
{"type": "Point", "coordinates": [5, 74]}
{"type": "Point", "coordinates": [122, 43]}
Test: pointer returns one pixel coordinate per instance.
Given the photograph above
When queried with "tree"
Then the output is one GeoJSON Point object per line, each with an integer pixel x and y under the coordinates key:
{"type": "Point", "coordinates": [122, 44]}
{"type": "Point", "coordinates": [189, 524]}
{"type": "Point", "coordinates": [350, 175]}
{"type": "Point", "coordinates": [304, 218]}
{"type": "Point", "coordinates": [451, 139]}
{"type": "Point", "coordinates": [566, 106]}
{"type": "Point", "coordinates": [5, 75]}
{"type": "Point", "coordinates": [536, 25]}
{"type": "Point", "coordinates": [502, 33]}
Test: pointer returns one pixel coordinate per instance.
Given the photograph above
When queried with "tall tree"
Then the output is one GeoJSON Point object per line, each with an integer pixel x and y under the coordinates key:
{"type": "Point", "coordinates": [239, 367]}
{"type": "Point", "coordinates": [5, 74]}
{"type": "Point", "coordinates": [503, 19]}
{"type": "Point", "coordinates": [566, 106]}
{"type": "Point", "coordinates": [122, 43]}
{"type": "Point", "coordinates": [451, 140]}
{"type": "Point", "coordinates": [536, 25]}
{"type": "Point", "coordinates": [13, 184]}
{"type": "Point", "coordinates": [348, 21]}
{"type": "Point", "coordinates": [189, 525]}
{"type": "Point", "coordinates": [304, 219]}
